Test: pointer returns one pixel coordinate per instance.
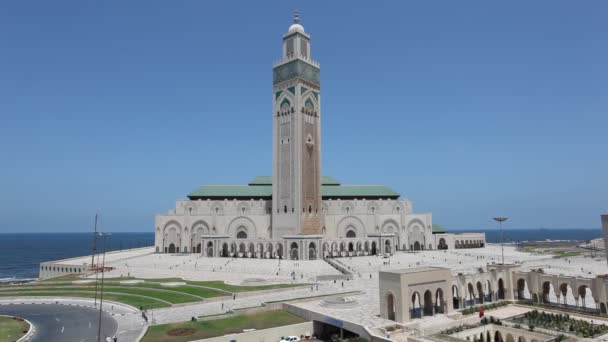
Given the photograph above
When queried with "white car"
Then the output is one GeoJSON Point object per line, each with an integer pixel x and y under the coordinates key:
{"type": "Point", "coordinates": [291, 339]}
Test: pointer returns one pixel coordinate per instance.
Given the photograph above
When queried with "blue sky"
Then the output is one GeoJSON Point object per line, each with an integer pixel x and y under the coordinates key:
{"type": "Point", "coordinates": [469, 108]}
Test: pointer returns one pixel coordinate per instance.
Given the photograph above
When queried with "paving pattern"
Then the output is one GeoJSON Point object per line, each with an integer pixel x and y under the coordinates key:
{"type": "Point", "coordinates": [364, 269]}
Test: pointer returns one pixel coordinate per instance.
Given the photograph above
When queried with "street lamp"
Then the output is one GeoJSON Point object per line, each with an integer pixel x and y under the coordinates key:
{"type": "Point", "coordinates": [500, 220]}
{"type": "Point", "coordinates": [103, 266]}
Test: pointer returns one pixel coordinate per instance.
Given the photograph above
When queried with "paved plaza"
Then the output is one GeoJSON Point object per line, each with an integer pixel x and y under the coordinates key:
{"type": "Point", "coordinates": [143, 263]}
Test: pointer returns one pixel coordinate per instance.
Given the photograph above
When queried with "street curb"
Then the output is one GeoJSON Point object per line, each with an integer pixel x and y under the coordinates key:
{"type": "Point", "coordinates": [30, 331]}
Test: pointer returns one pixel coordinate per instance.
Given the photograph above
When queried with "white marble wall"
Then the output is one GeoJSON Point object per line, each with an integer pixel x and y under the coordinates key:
{"type": "Point", "coordinates": [184, 226]}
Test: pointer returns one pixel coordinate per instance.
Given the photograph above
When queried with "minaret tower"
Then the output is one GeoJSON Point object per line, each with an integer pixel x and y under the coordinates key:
{"type": "Point", "coordinates": [296, 145]}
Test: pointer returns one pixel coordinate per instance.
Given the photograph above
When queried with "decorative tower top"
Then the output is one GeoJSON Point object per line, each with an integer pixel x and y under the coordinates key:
{"type": "Point", "coordinates": [296, 27]}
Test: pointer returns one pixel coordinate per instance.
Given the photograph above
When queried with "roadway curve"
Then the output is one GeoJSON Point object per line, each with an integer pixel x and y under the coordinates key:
{"type": "Point", "coordinates": [62, 323]}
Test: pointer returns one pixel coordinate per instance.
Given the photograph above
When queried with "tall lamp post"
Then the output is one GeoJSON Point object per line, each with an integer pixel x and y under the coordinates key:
{"type": "Point", "coordinates": [103, 266]}
{"type": "Point", "coordinates": [500, 220]}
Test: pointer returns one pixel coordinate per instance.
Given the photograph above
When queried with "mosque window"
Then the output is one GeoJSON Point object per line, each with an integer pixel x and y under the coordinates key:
{"type": "Point", "coordinates": [373, 209]}
{"type": "Point", "coordinates": [285, 209]}
{"type": "Point", "coordinates": [310, 209]}
{"type": "Point", "coordinates": [289, 47]}
{"type": "Point", "coordinates": [304, 47]}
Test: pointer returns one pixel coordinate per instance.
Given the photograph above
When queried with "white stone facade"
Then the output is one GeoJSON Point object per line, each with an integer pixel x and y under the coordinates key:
{"type": "Point", "coordinates": [362, 223]}
{"type": "Point", "coordinates": [299, 214]}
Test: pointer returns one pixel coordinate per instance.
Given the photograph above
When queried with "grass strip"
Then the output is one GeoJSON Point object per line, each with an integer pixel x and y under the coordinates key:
{"type": "Point", "coordinates": [188, 331]}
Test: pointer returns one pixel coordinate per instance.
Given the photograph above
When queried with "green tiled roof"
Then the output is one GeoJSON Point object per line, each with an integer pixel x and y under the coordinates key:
{"type": "Point", "coordinates": [358, 191]}
{"type": "Point", "coordinates": [231, 191]}
{"type": "Point", "coordinates": [267, 180]}
{"type": "Point", "coordinates": [438, 229]}
{"type": "Point", "coordinates": [265, 191]}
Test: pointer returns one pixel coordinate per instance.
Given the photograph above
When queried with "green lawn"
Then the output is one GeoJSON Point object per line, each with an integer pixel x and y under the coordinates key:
{"type": "Point", "coordinates": [12, 329]}
{"type": "Point", "coordinates": [216, 284]}
{"type": "Point", "coordinates": [220, 327]}
{"type": "Point", "coordinates": [127, 299]}
{"type": "Point", "coordinates": [193, 291]}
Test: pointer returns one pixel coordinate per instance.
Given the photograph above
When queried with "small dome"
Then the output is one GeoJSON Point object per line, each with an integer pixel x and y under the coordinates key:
{"type": "Point", "coordinates": [296, 28]}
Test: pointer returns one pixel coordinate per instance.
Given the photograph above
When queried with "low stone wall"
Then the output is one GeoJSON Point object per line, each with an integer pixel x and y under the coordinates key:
{"type": "Point", "coordinates": [265, 335]}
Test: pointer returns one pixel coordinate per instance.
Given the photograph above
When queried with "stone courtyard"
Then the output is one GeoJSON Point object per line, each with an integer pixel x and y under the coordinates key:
{"type": "Point", "coordinates": [357, 285]}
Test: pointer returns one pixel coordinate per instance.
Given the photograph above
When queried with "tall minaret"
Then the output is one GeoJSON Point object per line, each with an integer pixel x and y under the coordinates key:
{"type": "Point", "coordinates": [296, 145]}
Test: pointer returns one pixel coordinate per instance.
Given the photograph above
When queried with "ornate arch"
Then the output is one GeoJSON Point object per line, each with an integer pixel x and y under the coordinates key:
{"type": "Point", "coordinates": [242, 222]}
{"type": "Point", "coordinates": [413, 223]}
{"type": "Point", "coordinates": [172, 224]}
{"type": "Point", "coordinates": [348, 207]}
{"type": "Point", "coordinates": [217, 208]}
{"type": "Point", "coordinates": [372, 207]}
{"type": "Point", "coordinates": [390, 226]}
{"type": "Point", "coordinates": [355, 223]}
{"type": "Point", "coordinates": [243, 208]}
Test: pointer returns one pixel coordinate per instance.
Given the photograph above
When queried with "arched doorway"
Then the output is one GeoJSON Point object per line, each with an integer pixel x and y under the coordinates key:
{"type": "Point", "coordinates": [312, 251]}
{"type": "Point", "coordinates": [501, 289]}
{"type": "Point", "coordinates": [521, 287]}
{"type": "Point", "coordinates": [293, 251]}
{"type": "Point", "coordinates": [498, 336]}
{"type": "Point", "coordinates": [374, 248]}
{"type": "Point", "coordinates": [428, 303]}
{"type": "Point", "coordinates": [480, 292]}
{"type": "Point", "coordinates": [416, 246]}
{"type": "Point", "coordinates": [510, 338]}
{"type": "Point", "coordinates": [198, 248]}
{"type": "Point", "coordinates": [241, 235]}
{"type": "Point", "coordinates": [471, 295]}
{"type": "Point", "coordinates": [387, 247]}
{"type": "Point", "coordinates": [603, 308]}
{"type": "Point", "coordinates": [390, 306]}
{"type": "Point", "coordinates": [351, 234]}
{"type": "Point", "coordinates": [489, 292]}
{"type": "Point", "coordinates": [280, 251]}
{"type": "Point", "coordinates": [171, 248]}
{"type": "Point", "coordinates": [225, 252]}
{"type": "Point", "coordinates": [442, 244]}
{"type": "Point", "coordinates": [351, 247]}
{"type": "Point", "coordinates": [455, 297]}
{"type": "Point", "coordinates": [416, 308]}
{"type": "Point", "coordinates": [209, 249]}
{"type": "Point", "coordinates": [546, 290]}
{"type": "Point", "coordinates": [439, 303]}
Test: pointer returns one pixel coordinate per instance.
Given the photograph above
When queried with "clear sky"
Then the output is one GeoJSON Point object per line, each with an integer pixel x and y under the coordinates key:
{"type": "Point", "coordinates": [469, 108]}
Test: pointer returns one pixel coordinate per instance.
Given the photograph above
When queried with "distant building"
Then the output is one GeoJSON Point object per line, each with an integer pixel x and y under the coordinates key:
{"type": "Point", "coordinates": [297, 213]}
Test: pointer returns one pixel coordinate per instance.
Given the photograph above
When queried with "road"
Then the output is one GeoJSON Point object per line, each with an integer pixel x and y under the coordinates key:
{"type": "Point", "coordinates": [62, 323]}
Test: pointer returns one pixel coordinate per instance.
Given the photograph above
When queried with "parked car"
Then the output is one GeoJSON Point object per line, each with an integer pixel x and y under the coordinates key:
{"type": "Point", "coordinates": [291, 339]}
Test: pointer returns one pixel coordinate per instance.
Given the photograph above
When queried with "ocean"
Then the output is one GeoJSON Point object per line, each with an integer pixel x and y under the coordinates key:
{"type": "Point", "coordinates": [21, 254]}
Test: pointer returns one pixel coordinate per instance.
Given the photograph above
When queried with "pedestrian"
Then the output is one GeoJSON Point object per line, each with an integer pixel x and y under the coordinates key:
{"type": "Point", "coordinates": [222, 305]}
{"type": "Point", "coordinates": [342, 284]}
{"type": "Point", "coordinates": [115, 339]}
{"type": "Point", "coordinates": [370, 276]}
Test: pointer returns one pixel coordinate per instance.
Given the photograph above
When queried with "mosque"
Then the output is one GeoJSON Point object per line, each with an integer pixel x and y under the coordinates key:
{"type": "Point", "coordinates": [297, 213]}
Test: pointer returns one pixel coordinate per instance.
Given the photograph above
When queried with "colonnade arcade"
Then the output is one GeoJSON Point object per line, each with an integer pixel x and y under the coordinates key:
{"type": "Point", "coordinates": [583, 294]}
{"type": "Point", "coordinates": [458, 244]}
{"type": "Point", "coordinates": [299, 247]}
